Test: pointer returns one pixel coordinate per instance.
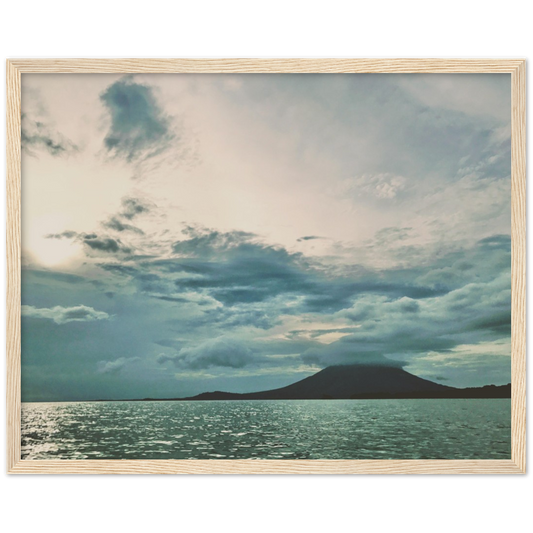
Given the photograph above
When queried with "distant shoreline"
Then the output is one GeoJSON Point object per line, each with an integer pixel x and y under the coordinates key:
{"type": "Point", "coordinates": [100, 400]}
{"type": "Point", "coordinates": [487, 392]}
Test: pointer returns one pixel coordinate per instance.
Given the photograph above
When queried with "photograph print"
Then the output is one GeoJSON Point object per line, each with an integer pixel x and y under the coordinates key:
{"type": "Point", "coordinates": [266, 266]}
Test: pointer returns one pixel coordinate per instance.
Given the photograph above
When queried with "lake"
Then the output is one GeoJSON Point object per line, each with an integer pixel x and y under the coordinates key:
{"type": "Point", "coordinates": [269, 429]}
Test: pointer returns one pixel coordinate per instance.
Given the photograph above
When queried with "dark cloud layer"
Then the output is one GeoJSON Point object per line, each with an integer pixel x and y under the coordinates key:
{"type": "Point", "coordinates": [51, 276]}
{"type": "Point", "coordinates": [106, 244]}
{"type": "Point", "coordinates": [139, 128]}
{"type": "Point", "coordinates": [94, 242]}
{"type": "Point", "coordinates": [132, 207]}
{"type": "Point", "coordinates": [309, 238]}
{"type": "Point", "coordinates": [395, 313]}
{"type": "Point", "coordinates": [220, 352]}
{"type": "Point", "coordinates": [114, 223]}
{"type": "Point", "coordinates": [236, 269]}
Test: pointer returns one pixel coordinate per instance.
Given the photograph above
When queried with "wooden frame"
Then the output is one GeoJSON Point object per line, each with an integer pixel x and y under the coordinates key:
{"type": "Point", "coordinates": [516, 67]}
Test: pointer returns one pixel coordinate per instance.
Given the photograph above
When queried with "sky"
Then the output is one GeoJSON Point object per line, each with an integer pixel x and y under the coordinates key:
{"type": "Point", "coordinates": [184, 233]}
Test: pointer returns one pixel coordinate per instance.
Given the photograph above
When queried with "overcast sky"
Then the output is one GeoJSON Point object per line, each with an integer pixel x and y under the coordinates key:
{"type": "Point", "coordinates": [190, 233]}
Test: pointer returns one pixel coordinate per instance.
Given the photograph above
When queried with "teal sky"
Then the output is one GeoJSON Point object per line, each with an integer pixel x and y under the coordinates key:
{"type": "Point", "coordinates": [190, 233]}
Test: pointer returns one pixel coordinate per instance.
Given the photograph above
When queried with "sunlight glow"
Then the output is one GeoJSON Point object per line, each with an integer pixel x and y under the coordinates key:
{"type": "Point", "coordinates": [49, 252]}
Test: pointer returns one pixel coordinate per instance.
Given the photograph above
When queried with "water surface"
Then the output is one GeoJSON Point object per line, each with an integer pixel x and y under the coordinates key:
{"type": "Point", "coordinates": [269, 429]}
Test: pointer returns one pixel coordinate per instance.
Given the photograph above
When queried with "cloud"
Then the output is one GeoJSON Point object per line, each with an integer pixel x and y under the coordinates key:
{"type": "Point", "coordinates": [132, 207]}
{"type": "Point", "coordinates": [94, 242]}
{"type": "Point", "coordinates": [206, 242]}
{"type": "Point", "coordinates": [240, 282]}
{"type": "Point", "coordinates": [346, 353]}
{"type": "Point", "coordinates": [375, 346]}
{"type": "Point", "coordinates": [498, 322]}
{"type": "Point", "coordinates": [262, 315]}
{"type": "Point", "coordinates": [115, 224]}
{"type": "Point", "coordinates": [249, 276]}
{"type": "Point", "coordinates": [237, 269]}
{"type": "Point", "coordinates": [391, 236]}
{"type": "Point", "coordinates": [68, 234]}
{"type": "Point", "coordinates": [493, 242]}
{"type": "Point", "coordinates": [118, 268]}
{"type": "Point", "coordinates": [106, 245]}
{"type": "Point", "coordinates": [309, 238]}
{"type": "Point", "coordinates": [115, 366]}
{"type": "Point", "coordinates": [52, 276]}
{"type": "Point", "coordinates": [63, 315]}
{"type": "Point", "coordinates": [35, 135]}
{"type": "Point", "coordinates": [480, 310]}
{"type": "Point", "coordinates": [139, 128]}
{"type": "Point", "coordinates": [483, 94]}
{"type": "Point", "coordinates": [404, 329]}
{"type": "Point", "coordinates": [467, 365]}
{"type": "Point", "coordinates": [234, 267]}
{"type": "Point", "coordinates": [384, 186]}
{"type": "Point", "coordinates": [219, 352]}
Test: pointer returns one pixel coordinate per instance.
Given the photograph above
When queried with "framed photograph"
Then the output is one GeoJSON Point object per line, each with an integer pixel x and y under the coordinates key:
{"type": "Point", "coordinates": [276, 266]}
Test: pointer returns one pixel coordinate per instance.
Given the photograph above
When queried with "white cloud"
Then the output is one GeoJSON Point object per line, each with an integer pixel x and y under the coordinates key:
{"type": "Point", "coordinates": [63, 315]}
{"type": "Point", "coordinates": [384, 186]}
{"type": "Point", "coordinates": [472, 94]}
{"type": "Point", "coordinates": [113, 367]}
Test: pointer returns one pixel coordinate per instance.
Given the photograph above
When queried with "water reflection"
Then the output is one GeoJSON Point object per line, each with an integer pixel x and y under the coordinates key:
{"type": "Point", "coordinates": [307, 429]}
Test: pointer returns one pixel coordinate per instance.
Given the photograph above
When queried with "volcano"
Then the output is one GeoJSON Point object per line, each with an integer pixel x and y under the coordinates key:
{"type": "Point", "coordinates": [362, 382]}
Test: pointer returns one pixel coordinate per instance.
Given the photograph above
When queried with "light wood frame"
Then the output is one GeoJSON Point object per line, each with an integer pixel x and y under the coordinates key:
{"type": "Point", "coordinates": [516, 67]}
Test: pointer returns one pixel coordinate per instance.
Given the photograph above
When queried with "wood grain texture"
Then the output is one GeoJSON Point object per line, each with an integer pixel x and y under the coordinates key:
{"type": "Point", "coordinates": [516, 67]}
{"type": "Point", "coordinates": [133, 65]}
{"type": "Point", "coordinates": [258, 466]}
{"type": "Point", "coordinates": [13, 119]}
{"type": "Point", "coordinates": [518, 254]}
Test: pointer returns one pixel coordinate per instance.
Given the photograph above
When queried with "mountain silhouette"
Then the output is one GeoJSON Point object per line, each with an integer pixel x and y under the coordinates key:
{"type": "Point", "coordinates": [360, 382]}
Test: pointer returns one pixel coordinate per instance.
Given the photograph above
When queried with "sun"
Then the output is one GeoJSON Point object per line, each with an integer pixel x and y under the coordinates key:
{"type": "Point", "coordinates": [48, 251]}
{"type": "Point", "coordinates": [52, 252]}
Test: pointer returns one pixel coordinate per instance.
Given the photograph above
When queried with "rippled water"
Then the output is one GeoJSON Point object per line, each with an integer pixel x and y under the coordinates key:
{"type": "Point", "coordinates": [307, 429]}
